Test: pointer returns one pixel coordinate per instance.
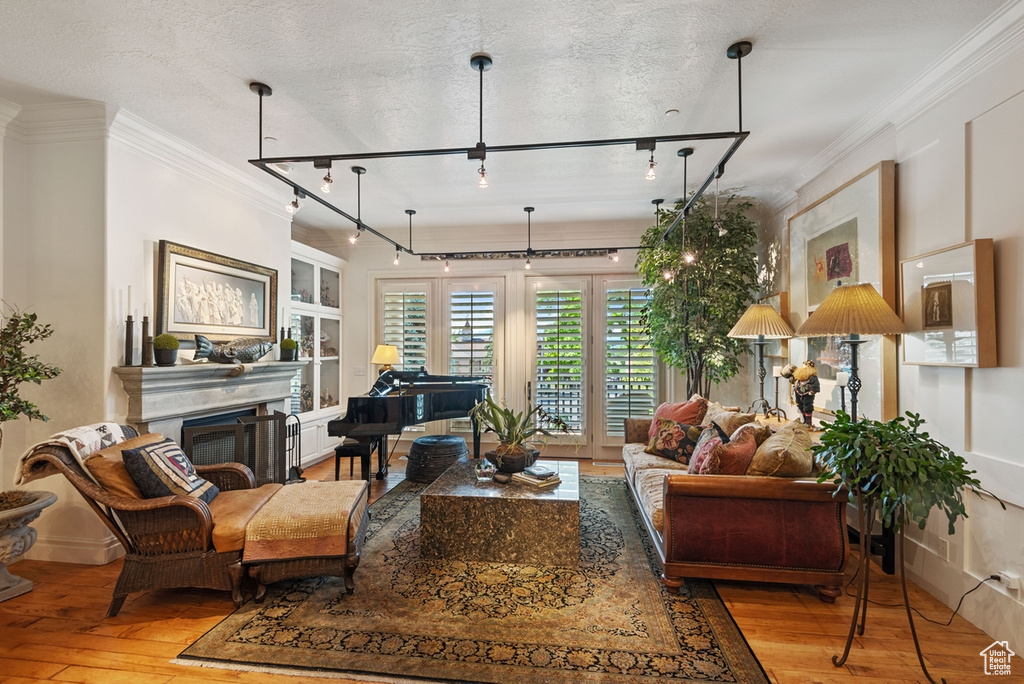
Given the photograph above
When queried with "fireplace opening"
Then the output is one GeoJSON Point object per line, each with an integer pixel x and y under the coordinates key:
{"type": "Point", "coordinates": [258, 442]}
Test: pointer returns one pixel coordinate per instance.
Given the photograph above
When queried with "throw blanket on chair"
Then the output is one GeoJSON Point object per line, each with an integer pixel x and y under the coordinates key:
{"type": "Point", "coordinates": [82, 442]}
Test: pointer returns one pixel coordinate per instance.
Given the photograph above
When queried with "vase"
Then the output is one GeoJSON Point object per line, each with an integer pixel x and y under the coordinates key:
{"type": "Point", "coordinates": [513, 462]}
{"type": "Point", "coordinates": [16, 537]}
{"type": "Point", "coordinates": [485, 470]}
{"type": "Point", "coordinates": [165, 357]}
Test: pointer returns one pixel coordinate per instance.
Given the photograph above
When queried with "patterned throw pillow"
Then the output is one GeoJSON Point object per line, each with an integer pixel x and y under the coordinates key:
{"type": "Point", "coordinates": [709, 438]}
{"type": "Point", "coordinates": [162, 469]}
{"type": "Point", "coordinates": [673, 440]}
{"type": "Point", "coordinates": [729, 420]}
{"type": "Point", "coordinates": [787, 453]}
{"type": "Point", "coordinates": [688, 413]}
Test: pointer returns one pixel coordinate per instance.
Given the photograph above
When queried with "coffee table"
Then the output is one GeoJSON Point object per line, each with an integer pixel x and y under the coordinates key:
{"type": "Point", "coordinates": [461, 519]}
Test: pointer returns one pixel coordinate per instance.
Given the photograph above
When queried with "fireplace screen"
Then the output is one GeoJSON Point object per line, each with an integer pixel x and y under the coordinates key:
{"type": "Point", "coordinates": [258, 442]}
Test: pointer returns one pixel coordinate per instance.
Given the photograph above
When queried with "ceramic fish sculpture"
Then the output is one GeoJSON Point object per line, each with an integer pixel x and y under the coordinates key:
{"type": "Point", "coordinates": [239, 350]}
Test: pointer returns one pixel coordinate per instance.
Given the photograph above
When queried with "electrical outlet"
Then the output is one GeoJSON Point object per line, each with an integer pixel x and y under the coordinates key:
{"type": "Point", "coordinates": [943, 549]}
{"type": "Point", "coordinates": [1009, 580]}
{"type": "Point", "coordinates": [359, 371]}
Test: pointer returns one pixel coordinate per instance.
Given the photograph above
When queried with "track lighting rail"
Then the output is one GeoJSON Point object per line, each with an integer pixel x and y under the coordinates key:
{"type": "Point", "coordinates": [481, 62]}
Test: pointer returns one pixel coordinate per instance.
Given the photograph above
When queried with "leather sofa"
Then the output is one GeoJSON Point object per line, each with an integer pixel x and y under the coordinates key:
{"type": "Point", "coordinates": [737, 527]}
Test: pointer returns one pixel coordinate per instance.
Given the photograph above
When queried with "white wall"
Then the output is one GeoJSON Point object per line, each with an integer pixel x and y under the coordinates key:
{"type": "Point", "coordinates": [960, 163]}
{"type": "Point", "coordinates": [89, 192]}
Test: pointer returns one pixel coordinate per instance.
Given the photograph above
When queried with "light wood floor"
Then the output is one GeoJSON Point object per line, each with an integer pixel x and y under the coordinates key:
{"type": "Point", "coordinates": [58, 632]}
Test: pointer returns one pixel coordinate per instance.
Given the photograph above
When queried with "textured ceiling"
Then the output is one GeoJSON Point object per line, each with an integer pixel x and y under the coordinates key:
{"type": "Point", "coordinates": [358, 77]}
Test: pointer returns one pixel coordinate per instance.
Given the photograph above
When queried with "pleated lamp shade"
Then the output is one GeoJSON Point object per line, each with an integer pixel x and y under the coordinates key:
{"type": "Point", "coordinates": [852, 310]}
{"type": "Point", "coordinates": [761, 319]}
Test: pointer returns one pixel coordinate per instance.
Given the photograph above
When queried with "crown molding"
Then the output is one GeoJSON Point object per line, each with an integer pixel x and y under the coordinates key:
{"type": "Point", "coordinates": [8, 110]}
{"type": "Point", "coordinates": [137, 135]}
{"type": "Point", "coordinates": [62, 122]}
{"type": "Point", "coordinates": [998, 38]}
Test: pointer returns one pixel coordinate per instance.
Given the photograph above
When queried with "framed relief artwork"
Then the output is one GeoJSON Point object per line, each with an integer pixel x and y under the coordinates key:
{"type": "Point", "coordinates": [213, 295]}
{"type": "Point", "coordinates": [776, 348]}
{"type": "Point", "coordinates": [949, 306]}
{"type": "Point", "coordinates": [847, 237]}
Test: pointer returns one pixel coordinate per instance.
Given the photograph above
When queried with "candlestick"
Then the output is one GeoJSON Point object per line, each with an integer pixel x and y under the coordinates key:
{"type": "Point", "coordinates": [776, 371]}
{"type": "Point", "coordinates": [147, 343]}
{"type": "Point", "coordinates": [129, 331]}
{"type": "Point", "coordinates": [842, 379]}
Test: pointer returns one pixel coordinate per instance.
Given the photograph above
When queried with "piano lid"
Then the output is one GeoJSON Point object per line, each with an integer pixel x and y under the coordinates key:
{"type": "Point", "coordinates": [391, 380]}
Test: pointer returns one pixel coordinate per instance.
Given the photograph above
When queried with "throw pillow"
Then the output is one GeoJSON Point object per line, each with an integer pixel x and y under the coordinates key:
{"type": "Point", "coordinates": [787, 453]}
{"type": "Point", "coordinates": [107, 467]}
{"type": "Point", "coordinates": [732, 458]}
{"type": "Point", "coordinates": [760, 432]}
{"type": "Point", "coordinates": [162, 469]}
{"type": "Point", "coordinates": [674, 440]}
{"type": "Point", "coordinates": [687, 413]}
{"type": "Point", "coordinates": [729, 420]}
{"type": "Point", "coordinates": [709, 438]}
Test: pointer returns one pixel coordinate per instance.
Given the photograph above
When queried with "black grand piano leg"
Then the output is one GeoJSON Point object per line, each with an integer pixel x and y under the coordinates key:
{"type": "Point", "coordinates": [382, 454]}
{"type": "Point", "coordinates": [364, 461]}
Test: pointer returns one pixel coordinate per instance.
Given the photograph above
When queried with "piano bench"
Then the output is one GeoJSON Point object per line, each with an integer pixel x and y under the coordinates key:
{"type": "Point", "coordinates": [353, 449]}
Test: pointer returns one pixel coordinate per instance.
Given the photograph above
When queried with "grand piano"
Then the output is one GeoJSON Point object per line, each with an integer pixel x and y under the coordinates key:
{"type": "Point", "coordinates": [402, 398]}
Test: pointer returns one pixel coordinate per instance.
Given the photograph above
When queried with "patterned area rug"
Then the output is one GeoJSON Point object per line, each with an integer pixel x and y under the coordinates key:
{"type": "Point", "coordinates": [609, 620]}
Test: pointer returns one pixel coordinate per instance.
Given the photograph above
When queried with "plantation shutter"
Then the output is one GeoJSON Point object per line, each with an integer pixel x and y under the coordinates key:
{"type": "Point", "coordinates": [471, 337]}
{"type": "Point", "coordinates": [629, 372]}
{"type": "Point", "coordinates": [559, 377]}
{"type": "Point", "coordinates": [405, 326]}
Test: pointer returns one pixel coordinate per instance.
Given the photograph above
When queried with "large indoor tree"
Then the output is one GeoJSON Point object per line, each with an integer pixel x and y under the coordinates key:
{"type": "Point", "coordinates": [694, 304]}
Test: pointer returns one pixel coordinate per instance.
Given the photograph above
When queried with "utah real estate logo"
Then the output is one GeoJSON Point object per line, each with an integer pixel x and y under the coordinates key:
{"type": "Point", "coordinates": [997, 658]}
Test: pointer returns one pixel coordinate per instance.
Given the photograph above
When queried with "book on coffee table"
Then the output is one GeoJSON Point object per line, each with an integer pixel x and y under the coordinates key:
{"type": "Point", "coordinates": [540, 472]}
{"type": "Point", "coordinates": [536, 481]}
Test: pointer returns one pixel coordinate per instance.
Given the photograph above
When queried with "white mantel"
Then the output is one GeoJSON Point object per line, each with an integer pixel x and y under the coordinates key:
{"type": "Point", "coordinates": [160, 398]}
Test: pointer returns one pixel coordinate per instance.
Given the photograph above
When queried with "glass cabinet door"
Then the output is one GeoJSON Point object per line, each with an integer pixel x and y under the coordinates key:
{"type": "Point", "coordinates": [302, 328]}
{"type": "Point", "coordinates": [330, 290]}
{"type": "Point", "coordinates": [330, 335]}
{"type": "Point", "coordinates": [303, 285]}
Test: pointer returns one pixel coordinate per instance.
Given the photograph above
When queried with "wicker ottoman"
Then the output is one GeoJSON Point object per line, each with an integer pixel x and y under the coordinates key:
{"type": "Point", "coordinates": [308, 529]}
{"type": "Point", "coordinates": [430, 456]}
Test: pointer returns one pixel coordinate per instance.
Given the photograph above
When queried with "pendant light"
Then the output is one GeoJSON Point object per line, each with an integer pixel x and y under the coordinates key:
{"type": "Point", "coordinates": [529, 237]}
{"type": "Point", "coordinates": [650, 168]}
{"type": "Point", "coordinates": [481, 62]}
{"type": "Point", "coordinates": [688, 256]}
{"type": "Point", "coordinates": [354, 237]}
{"type": "Point", "coordinates": [722, 230]}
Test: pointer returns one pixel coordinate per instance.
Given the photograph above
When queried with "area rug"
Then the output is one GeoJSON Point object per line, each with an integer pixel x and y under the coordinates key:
{"type": "Point", "coordinates": [609, 620]}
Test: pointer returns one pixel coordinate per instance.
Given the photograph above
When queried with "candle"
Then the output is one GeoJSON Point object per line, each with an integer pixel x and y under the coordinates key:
{"type": "Point", "coordinates": [842, 378]}
{"type": "Point", "coordinates": [776, 371]}
{"type": "Point", "coordinates": [129, 307]}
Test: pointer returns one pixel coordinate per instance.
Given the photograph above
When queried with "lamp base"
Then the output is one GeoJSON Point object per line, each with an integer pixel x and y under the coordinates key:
{"type": "Point", "coordinates": [385, 368]}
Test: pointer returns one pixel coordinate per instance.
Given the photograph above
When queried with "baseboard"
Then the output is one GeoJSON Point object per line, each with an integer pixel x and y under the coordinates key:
{"type": "Point", "coordinates": [72, 550]}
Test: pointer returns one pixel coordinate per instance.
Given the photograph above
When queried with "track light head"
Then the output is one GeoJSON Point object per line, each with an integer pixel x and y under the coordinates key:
{"type": "Point", "coordinates": [397, 258]}
{"type": "Point", "coordinates": [326, 186]}
{"type": "Point", "coordinates": [353, 238]}
{"type": "Point", "coordinates": [483, 177]}
{"type": "Point", "coordinates": [650, 168]}
{"type": "Point", "coordinates": [527, 266]}
{"type": "Point", "coordinates": [447, 267]}
{"type": "Point", "coordinates": [613, 254]}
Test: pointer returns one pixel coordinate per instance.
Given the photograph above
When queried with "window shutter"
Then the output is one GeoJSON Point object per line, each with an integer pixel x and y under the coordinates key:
{"type": "Point", "coordinates": [629, 390]}
{"type": "Point", "coordinates": [559, 380]}
{"type": "Point", "coordinates": [405, 326]}
{"type": "Point", "coordinates": [472, 339]}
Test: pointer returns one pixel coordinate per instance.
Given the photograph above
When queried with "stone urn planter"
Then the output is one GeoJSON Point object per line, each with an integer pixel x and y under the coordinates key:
{"type": "Point", "coordinates": [16, 537]}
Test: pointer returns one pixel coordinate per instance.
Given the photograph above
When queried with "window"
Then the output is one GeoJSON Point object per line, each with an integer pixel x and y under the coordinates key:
{"type": "Point", "coordinates": [629, 362]}
{"type": "Point", "coordinates": [559, 365]}
{"type": "Point", "coordinates": [473, 334]}
{"type": "Point", "coordinates": [405, 326]}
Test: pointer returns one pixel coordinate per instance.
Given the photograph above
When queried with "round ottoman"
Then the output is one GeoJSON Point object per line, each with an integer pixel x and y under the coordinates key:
{"type": "Point", "coordinates": [431, 455]}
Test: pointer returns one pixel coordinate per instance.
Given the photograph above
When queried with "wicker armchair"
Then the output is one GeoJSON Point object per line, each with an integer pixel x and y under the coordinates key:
{"type": "Point", "coordinates": [167, 540]}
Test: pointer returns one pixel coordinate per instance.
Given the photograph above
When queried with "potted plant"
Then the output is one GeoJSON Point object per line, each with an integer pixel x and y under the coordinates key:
{"type": "Point", "coordinates": [289, 349]}
{"type": "Point", "coordinates": [165, 349]}
{"type": "Point", "coordinates": [898, 471]}
{"type": "Point", "coordinates": [19, 507]}
{"type": "Point", "coordinates": [515, 432]}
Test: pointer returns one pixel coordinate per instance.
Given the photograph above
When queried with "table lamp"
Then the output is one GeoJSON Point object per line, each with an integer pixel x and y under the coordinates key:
{"type": "Point", "coordinates": [852, 310]}
{"type": "Point", "coordinates": [761, 322]}
{"type": "Point", "coordinates": [385, 355]}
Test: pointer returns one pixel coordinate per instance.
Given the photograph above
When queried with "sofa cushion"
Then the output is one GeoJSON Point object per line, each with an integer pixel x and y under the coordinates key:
{"type": "Point", "coordinates": [650, 488]}
{"type": "Point", "coordinates": [731, 458]}
{"type": "Point", "coordinates": [107, 467]}
{"type": "Point", "coordinates": [701, 451]}
{"type": "Point", "coordinates": [674, 441]}
{"type": "Point", "coordinates": [760, 432]}
{"type": "Point", "coordinates": [232, 510]}
{"type": "Point", "coordinates": [787, 453]}
{"type": "Point", "coordinates": [687, 412]}
{"type": "Point", "coordinates": [636, 459]}
{"type": "Point", "coordinates": [727, 419]}
{"type": "Point", "coordinates": [162, 469]}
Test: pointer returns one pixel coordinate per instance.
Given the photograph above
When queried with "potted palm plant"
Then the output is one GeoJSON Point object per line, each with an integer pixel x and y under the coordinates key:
{"type": "Point", "coordinates": [899, 472]}
{"type": "Point", "coordinates": [516, 432]}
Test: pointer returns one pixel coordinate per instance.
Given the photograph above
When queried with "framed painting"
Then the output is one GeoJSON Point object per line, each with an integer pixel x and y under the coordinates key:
{"type": "Point", "coordinates": [847, 237]}
{"type": "Point", "coordinates": [949, 306]}
{"type": "Point", "coordinates": [213, 295]}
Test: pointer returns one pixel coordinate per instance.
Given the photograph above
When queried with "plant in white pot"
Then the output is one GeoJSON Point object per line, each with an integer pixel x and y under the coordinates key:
{"type": "Point", "coordinates": [516, 432]}
{"type": "Point", "coordinates": [19, 507]}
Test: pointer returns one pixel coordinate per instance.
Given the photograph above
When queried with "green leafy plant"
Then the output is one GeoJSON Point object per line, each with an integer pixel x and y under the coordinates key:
{"type": "Point", "coordinates": [693, 306]}
{"type": "Point", "coordinates": [165, 341]}
{"type": "Point", "coordinates": [898, 466]}
{"type": "Point", "coordinates": [17, 367]}
{"type": "Point", "coordinates": [515, 430]}
{"type": "Point", "coordinates": [289, 343]}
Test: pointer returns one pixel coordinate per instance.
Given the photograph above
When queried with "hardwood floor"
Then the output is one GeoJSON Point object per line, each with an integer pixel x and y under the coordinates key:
{"type": "Point", "coordinates": [58, 631]}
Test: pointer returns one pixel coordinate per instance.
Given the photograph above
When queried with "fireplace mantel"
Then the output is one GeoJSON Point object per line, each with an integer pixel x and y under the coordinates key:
{"type": "Point", "coordinates": [161, 394]}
